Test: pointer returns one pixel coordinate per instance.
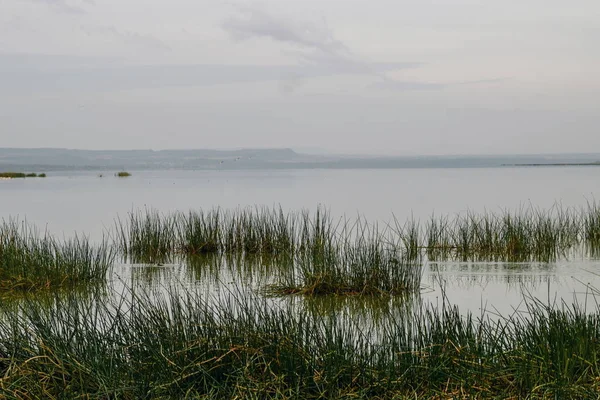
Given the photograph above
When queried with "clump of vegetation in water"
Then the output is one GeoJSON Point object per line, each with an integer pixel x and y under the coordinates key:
{"type": "Point", "coordinates": [527, 235]}
{"type": "Point", "coordinates": [147, 237]}
{"type": "Point", "coordinates": [29, 261]}
{"type": "Point", "coordinates": [21, 175]}
{"type": "Point", "coordinates": [123, 174]}
{"type": "Point", "coordinates": [176, 345]}
{"type": "Point", "coordinates": [352, 257]}
{"type": "Point", "coordinates": [319, 256]}
{"type": "Point", "coordinates": [361, 261]}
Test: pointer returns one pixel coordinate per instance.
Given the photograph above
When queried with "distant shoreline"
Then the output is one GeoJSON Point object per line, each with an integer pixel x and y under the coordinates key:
{"type": "Point", "coordinates": [592, 164]}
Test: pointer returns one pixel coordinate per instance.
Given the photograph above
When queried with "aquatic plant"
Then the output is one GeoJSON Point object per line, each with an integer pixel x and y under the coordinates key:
{"type": "Point", "coordinates": [525, 235]}
{"type": "Point", "coordinates": [30, 261]}
{"type": "Point", "coordinates": [147, 237]}
{"type": "Point", "coordinates": [21, 175]}
{"type": "Point", "coordinates": [123, 174]}
{"type": "Point", "coordinates": [352, 256]}
{"type": "Point", "coordinates": [179, 344]}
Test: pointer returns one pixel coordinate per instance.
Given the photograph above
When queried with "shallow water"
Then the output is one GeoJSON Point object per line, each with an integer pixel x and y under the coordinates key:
{"type": "Point", "coordinates": [67, 202]}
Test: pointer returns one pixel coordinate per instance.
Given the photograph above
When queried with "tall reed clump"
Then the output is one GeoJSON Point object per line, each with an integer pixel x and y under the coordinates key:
{"type": "Point", "coordinates": [147, 237]}
{"type": "Point", "coordinates": [353, 259]}
{"type": "Point", "coordinates": [178, 344]}
{"type": "Point", "coordinates": [526, 235]}
{"type": "Point", "coordinates": [29, 261]}
{"type": "Point", "coordinates": [591, 228]}
{"type": "Point", "coordinates": [258, 231]}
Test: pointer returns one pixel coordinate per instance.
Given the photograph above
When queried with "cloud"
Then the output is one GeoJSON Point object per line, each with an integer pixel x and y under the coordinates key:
{"type": "Point", "coordinates": [391, 84]}
{"type": "Point", "coordinates": [252, 22]}
{"type": "Point", "coordinates": [65, 6]}
{"type": "Point", "coordinates": [28, 73]}
{"type": "Point", "coordinates": [314, 42]}
{"type": "Point", "coordinates": [128, 37]}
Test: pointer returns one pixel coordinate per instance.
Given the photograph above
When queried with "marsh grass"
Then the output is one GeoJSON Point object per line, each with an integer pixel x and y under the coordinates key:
{"type": "Point", "coordinates": [178, 344]}
{"type": "Point", "coordinates": [317, 254]}
{"type": "Point", "coordinates": [147, 237]}
{"type": "Point", "coordinates": [21, 175]}
{"type": "Point", "coordinates": [352, 256]}
{"type": "Point", "coordinates": [526, 235]}
{"type": "Point", "coordinates": [30, 261]}
{"type": "Point", "coordinates": [361, 261]}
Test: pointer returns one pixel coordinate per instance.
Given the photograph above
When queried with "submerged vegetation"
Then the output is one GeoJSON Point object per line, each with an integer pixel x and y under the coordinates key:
{"type": "Point", "coordinates": [179, 344]}
{"type": "Point", "coordinates": [11, 175]}
{"type": "Point", "coordinates": [29, 261]}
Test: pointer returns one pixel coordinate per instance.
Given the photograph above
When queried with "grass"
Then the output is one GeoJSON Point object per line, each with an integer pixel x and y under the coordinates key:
{"type": "Point", "coordinates": [319, 255]}
{"type": "Point", "coordinates": [123, 174]}
{"type": "Point", "coordinates": [29, 261]}
{"type": "Point", "coordinates": [181, 345]}
{"type": "Point", "coordinates": [147, 237]}
{"type": "Point", "coordinates": [526, 235]}
{"type": "Point", "coordinates": [21, 175]}
{"type": "Point", "coordinates": [316, 254]}
{"type": "Point", "coordinates": [361, 261]}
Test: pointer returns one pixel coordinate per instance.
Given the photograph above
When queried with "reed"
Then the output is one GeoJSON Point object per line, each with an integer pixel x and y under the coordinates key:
{"type": "Point", "coordinates": [29, 261]}
{"type": "Point", "coordinates": [360, 261]}
{"type": "Point", "coordinates": [179, 344]}
{"type": "Point", "coordinates": [147, 237]}
{"type": "Point", "coordinates": [525, 235]}
{"type": "Point", "coordinates": [21, 175]}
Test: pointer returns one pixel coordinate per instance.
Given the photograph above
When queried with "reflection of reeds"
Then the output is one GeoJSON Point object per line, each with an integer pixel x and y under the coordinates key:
{"type": "Point", "coordinates": [29, 261]}
{"type": "Point", "coordinates": [178, 344]}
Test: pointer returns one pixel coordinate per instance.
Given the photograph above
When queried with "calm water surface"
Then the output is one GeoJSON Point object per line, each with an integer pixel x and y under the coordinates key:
{"type": "Point", "coordinates": [68, 202]}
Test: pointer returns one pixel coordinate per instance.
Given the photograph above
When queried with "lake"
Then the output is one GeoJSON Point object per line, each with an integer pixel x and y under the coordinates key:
{"type": "Point", "coordinates": [68, 202]}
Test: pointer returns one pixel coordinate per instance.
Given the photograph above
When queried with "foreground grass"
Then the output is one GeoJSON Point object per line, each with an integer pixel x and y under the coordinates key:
{"type": "Point", "coordinates": [29, 261]}
{"type": "Point", "coordinates": [179, 345]}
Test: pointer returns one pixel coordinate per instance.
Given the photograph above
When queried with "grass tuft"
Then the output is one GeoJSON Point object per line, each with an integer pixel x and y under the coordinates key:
{"type": "Point", "coordinates": [29, 261]}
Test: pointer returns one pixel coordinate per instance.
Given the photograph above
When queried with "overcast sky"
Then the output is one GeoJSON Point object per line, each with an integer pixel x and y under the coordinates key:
{"type": "Point", "coordinates": [351, 76]}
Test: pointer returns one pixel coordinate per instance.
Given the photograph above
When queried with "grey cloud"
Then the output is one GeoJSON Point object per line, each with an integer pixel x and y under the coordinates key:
{"type": "Point", "coordinates": [390, 84]}
{"type": "Point", "coordinates": [18, 74]}
{"type": "Point", "coordinates": [314, 41]}
{"type": "Point", "coordinates": [128, 37]}
{"type": "Point", "coordinates": [251, 22]}
{"type": "Point", "coordinates": [65, 6]}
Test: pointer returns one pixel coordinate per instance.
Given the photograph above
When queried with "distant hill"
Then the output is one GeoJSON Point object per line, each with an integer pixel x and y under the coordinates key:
{"type": "Point", "coordinates": [47, 159]}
